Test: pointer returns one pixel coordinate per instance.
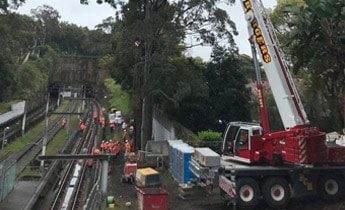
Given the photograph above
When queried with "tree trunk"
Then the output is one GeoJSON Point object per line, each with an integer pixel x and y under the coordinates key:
{"type": "Point", "coordinates": [344, 111]}
{"type": "Point", "coordinates": [146, 120]}
{"type": "Point", "coordinates": [137, 126]}
{"type": "Point", "coordinates": [146, 126]}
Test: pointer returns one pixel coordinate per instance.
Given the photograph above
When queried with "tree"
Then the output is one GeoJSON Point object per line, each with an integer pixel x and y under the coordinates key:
{"type": "Point", "coordinates": [315, 36]}
{"type": "Point", "coordinates": [48, 18]}
{"type": "Point", "coordinates": [150, 34]}
{"type": "Point", "coordinates": [4, 4]}
{"type": "Point", "coordinates": [229, 98]}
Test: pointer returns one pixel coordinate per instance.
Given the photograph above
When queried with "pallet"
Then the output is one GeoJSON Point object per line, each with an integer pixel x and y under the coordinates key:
{"type": "Point", "coordinates": [191, 191]}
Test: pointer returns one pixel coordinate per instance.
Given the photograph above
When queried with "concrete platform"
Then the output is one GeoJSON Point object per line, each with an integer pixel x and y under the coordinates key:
{"type": "Point", "coordinates": [20, 196]}
{"type": "Point", "coordinates": [17, 109]}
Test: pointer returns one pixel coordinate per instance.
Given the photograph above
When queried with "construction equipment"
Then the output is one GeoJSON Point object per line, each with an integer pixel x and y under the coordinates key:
{"type": "Point", "coordinates": [276, 165]}
{"type": "Point", "coordinates": [129, 171]}
{"type": "Point", "coordinates": [147, 177]}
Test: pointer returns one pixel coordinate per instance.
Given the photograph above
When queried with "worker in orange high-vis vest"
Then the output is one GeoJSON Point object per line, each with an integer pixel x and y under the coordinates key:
{"type": "Point", "coordinates": [82, 126]}
{"type": "Point", "coordinates": [63, 122]}
{"type": "Point", "coordinates": [102, 122]}
{"type": "Point", "coordinates": [111, 144]}
{"type": "Point", "coordinates": [102, 146]}
{"type": "Point", "coordinates": [127, 148]}
{"type": "Point", "coordinates": [106, 146]}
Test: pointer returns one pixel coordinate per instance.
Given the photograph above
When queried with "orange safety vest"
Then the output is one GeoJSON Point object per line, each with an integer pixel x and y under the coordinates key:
{"type": "Point", "coordinates": [128, 147]}
{"type": "Point", "coordinates": [102, 146]}
{"type": "Point", "coordinates": [63, 122]}
{"type": "Point", "coordinates": [106, 146]}
{"type": "Point", "coordinates": [115, 149]}
{"type": "Point", "coordinates": [82, 126]}
{"type": "Point", "coordinates": [95, 151]}
{"type": "Point", "coordinates": [101, 121]}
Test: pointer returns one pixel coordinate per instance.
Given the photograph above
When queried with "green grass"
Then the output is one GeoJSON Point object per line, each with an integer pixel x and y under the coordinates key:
{"type": "Point", "coordinates": [187, 135]}
{"type": "Point", "coordinates": [59, 140]}
{"type": "Point", "coordinates": [117, 98]}
{"type": "Point", "coordinates": [113, 136]}
{"type": "Point", "coordinates": [57, 143]}
{"type": "Point", "coordinates": [6, 106]}
{"type": "Point", "coordinates": [29, 171]}
{"type": "Point", "coordinates": [18, 144]}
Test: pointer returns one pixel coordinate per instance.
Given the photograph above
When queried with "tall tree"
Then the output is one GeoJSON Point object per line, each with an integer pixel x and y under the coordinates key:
{"type": "Point", "coordinates": [229, 97]}
{"type": "Point", "coordinates": [315, 37]}
{"type": "Point", "coordinates": [152, 32]}
{"type": "Point", "coordinates": [48, 17]}
{"type": "Point", "coordinates": [5, 4]}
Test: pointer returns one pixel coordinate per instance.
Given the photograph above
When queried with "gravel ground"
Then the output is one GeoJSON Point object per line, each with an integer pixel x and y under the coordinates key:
{"type": "Point", "coordinates": [124, 192]}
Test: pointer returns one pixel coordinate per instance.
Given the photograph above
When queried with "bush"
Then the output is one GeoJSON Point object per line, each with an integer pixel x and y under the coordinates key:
{"type": "Point", "coordinates": [210, 136]}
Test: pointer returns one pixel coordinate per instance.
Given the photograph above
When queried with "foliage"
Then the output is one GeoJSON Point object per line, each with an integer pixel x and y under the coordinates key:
{"type": "Point", "coordinates": [314, 35]}
{"type": "Point", "coordinates": [5, 4]}
{"type": "Point", "coordinates": [118, 98]}
{"type": "Point", "coordinates": [30, 46]}
{"type": "Point", "coordinates": [187, 135]}
{"type": "Point", "coordinates": [19, 143]}
{"type": "Point", "coordinates": [228, 98]}
{"type": "Point", "coordinates": [149, 42]}
{"type": "Point", "coordinates": [210, 135]}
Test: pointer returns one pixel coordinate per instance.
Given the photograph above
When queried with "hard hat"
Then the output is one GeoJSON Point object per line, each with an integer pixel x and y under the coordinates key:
{"type": "Point", "coordinates": [103, 141]}
{"type": "Point", "coordinates": [110, 140]}
{"type": "Point", "coordinates": [107, 142]}
{"type": "Point", "coordinates": [126, 141]}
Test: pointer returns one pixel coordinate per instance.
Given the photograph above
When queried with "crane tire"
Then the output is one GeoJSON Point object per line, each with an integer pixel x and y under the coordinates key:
{"type": "Point", "coordinates": [248, 192]}
{"type": "Point", "coordinates": [276, 192]}
{"type": "Point", "coordinates": [331, 187]}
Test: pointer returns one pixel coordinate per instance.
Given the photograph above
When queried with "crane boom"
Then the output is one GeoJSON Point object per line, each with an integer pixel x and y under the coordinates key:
{"type": "Point", "coordinates": [283, 88]}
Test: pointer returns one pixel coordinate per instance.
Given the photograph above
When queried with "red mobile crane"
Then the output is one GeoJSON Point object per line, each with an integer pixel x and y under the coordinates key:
{"type": "Point", "coordinates": [257, 163]}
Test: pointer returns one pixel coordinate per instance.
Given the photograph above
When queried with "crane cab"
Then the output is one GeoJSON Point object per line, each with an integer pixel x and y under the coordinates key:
{"type": "Point", "coordinates": [241, 140]}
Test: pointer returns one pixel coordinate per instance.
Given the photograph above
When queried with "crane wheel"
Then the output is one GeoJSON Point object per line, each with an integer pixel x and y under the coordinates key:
{"type": "Point", "coordinates": [331, 187]}
{"type": "Point", "coordinates": [248, 192]}
{"type": "Point", "coordinates": [276, 192]}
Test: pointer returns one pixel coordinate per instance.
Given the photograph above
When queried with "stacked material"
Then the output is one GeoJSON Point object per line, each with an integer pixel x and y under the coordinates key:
{"type": "Point", "coordinates": [147, 177]}
{"type": "Point", "coordinates": [207, 157]}
{"type": "Point", "coordinates": [204, 164]}
{"type": "Point", "coordinates": [179, 157]}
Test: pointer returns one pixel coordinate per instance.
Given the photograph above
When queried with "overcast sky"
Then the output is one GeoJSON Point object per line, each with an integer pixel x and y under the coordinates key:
{"type": "Point", "coordinates": [90, 15]}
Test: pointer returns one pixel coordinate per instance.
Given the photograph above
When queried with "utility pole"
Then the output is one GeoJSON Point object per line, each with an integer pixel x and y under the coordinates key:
{"type": "Point", "coordinates": [4, 138]}
{"type": "Point", "coordinates": [45, 138]}
{"type": "Point", "coordinates": [24, 118]}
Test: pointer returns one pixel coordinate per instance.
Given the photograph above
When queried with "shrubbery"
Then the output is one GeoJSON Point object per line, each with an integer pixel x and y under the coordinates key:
{"type": "Point", "coordinates": [210, 136]}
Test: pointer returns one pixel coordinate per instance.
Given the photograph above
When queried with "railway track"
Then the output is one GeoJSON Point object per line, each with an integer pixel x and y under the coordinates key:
{"type": "Point", "coordinates": [15, 126]}
{"type": "Point", "coordinates": [70, 189]}
{"type": "Point", "coordinates": [30, 151]}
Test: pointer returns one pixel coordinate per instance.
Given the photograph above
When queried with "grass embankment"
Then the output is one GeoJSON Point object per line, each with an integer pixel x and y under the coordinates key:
{"type": "Point", "coordinates": [59, 140]}
{"type": "Point", "coordinates": [53, 148]}
{"type": "Point", "coordinates": [119, 99]}
{"type": "Point", "coordinates": [17, 144]}
{"type": "Point", "coordinates": [30, 172]}
{"type": "Point", "coordinates": [5, 107]}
